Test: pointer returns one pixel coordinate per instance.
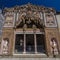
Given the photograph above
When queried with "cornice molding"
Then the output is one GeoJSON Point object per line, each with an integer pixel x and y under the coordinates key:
{"type": "Point", "coordinates": [29, 6]}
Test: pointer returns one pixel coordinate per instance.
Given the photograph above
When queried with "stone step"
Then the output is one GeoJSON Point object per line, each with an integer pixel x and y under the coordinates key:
{"type": "Point", "coordinates": [29, 58]}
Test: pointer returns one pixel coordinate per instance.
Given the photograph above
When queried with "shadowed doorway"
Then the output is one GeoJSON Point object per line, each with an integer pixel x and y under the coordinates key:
{"type": "Point", "coordinates": [30, 43]}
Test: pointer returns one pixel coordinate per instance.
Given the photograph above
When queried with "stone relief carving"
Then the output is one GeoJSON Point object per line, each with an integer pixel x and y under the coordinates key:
{"type": "Point", "coordinates": [29, 17]}
{"type": "Point", "coordinates": [50, 20]}
{"type": "Point", "coordinates": [31, 12]}
{"type": "Point", "coordinates": [9, 19]}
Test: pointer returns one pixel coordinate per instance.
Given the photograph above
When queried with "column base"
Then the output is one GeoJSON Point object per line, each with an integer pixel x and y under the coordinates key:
{"type": "Point", "coordinates": [36, 52]}
{"type": "Point", "coordinates": [24, 52]}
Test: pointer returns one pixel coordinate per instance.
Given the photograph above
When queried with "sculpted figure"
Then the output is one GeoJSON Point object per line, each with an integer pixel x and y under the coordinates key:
{"type": "Point", "coordinates": [54, 47]}
{"type": "Point", "coordinates": [5, 45]}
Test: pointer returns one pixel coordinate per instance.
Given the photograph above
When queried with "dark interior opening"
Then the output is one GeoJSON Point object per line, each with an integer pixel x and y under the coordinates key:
{"type": "Point", "coordinates": [30, 43]}
{"type": "Point", "coordinates": [40, 43]}
{"type": "Point", "coordinates": [19, 43]}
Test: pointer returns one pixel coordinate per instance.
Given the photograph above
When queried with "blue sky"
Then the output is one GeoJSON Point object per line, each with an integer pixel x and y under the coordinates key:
{"type": "Point", "coordinates": [48, 3]}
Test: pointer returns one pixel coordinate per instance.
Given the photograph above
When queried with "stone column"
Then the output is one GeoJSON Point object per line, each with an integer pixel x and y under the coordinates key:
{"type": "Point", "coordinates": [35, 43]}
{"type": "Point", "coordinates": [34, 30]}
{"type": "Point", "coordinates": [24, 43]}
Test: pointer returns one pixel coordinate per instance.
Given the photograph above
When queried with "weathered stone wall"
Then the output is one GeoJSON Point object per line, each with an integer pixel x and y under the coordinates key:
{"type": "Point", "coordinates": [31, 12]}
{"type": "Point", "coordinates": [9, 33]}
{"type": "Point", "coordinates": [49, 34]}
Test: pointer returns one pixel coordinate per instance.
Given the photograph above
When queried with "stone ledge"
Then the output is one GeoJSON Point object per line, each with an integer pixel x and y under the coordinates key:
{"type": "Point", "coordinates": [29, 58]}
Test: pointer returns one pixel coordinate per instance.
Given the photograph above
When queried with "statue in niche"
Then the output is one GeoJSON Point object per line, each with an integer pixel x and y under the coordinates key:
{"type": "Point", "coordinates": [5, 45]}
{"type": "Point", "coordinates": [54, 47]}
